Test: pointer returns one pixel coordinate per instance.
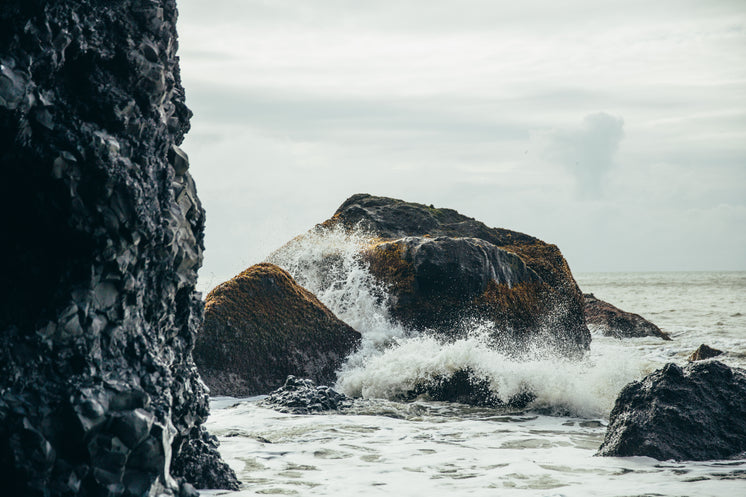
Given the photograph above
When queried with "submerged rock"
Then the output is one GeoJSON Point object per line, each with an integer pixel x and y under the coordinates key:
{"type": "Point", "coordinates": [704, 352]}
{"type": "Point", "coordinates": [697, 413]}
{"type": "Point", "coordinates": [442, 267]}
{"type": "Point", "coordinates": [303, 396]}
{"type": "Point", "coordinates": [262, 326]}
{"type": "Point", "coordinates": [102, 239]}
{"type": "Point", "coordinates": [465, 387]}
{"type": "Point", "coordinates": [614, 322]}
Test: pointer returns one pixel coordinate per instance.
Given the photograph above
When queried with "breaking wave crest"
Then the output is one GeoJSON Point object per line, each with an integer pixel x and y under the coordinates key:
{"type": "Point", "coordinates": [392, 360]}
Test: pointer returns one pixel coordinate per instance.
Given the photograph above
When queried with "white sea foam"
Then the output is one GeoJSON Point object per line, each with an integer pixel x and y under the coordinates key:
{"type": "Point", "coordinates": [392, 360]}
{"type": "Point", "coordinates": [327, 262]}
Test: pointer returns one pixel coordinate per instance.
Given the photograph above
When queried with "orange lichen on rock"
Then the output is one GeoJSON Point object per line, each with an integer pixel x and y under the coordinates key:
{"type": "Point", "coordinates": [262, 326]}
{"type": "Point", "coordinates": [441, 267]}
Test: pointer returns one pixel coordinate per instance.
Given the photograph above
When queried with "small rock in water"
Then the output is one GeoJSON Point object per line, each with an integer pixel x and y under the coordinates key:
{"type": "Point", "coordinates": [704, 352]}
{"type": "Point", "coordinates": [694, 413]}
{"type": "Point", "coordinates": [614, 322]}
{"type": "Point", "coordinates": [464, 387]}
{"type": "Point", "coordinates": [303, 396]}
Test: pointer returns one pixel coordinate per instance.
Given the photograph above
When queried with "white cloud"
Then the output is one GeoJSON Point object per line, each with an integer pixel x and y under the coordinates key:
{"type": "Point", "coordinates": [484, 106]}
{"type": "Point", "coordinates": [588, 151]}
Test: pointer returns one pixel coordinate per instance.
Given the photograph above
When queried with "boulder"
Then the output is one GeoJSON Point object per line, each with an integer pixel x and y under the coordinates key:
{"type": "Point", "coordinates": [614, 322]}
{"type": "Point", "coordinates": [303, 396]}
{"type": "Point", "coordinates": [697, 413]}
{"type": "Point", "coordinates": [704, 352]}
{"type": "Point", "coordinates": [442, 268]}
{"type": "Point", "coordinates": [260, 327]}
{"type": "Point", "coordinates": [102, 239]}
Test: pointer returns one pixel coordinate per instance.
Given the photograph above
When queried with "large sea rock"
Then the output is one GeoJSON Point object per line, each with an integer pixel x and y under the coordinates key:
{"type": "Point", "coordinates": [697, 412]}
{"type": "Point", "coordinates": [101, 242]}
{"type": "Point", "coordinates": [614, 322]}
{"type": "Point", "coordinates": [260, 327]}
{"type": "Point", "coordinates": [442, 268]}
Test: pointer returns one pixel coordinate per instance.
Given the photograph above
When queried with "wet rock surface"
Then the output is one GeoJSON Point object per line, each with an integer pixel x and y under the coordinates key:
{"type": "Point", "coordinates": [704, 352]}
{"type": "Point", "coordinates": [464, 387]}
{"type": "Point", "coordinates": [303, 396]}
{"type": "Point", "coordinates": [442, 267]}
{"type": "Point", "coordinates": [614, 322]}
{"type": "Point", "coordinates": [262, 326]}
{"type": "Point", "coordinates": [697, 412]}
{"type": "Point", "coordinates": [101, 246]}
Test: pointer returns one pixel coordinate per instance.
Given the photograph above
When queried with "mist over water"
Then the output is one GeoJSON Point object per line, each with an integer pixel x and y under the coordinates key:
{"type": "Point", "coordinates": [392, 360]}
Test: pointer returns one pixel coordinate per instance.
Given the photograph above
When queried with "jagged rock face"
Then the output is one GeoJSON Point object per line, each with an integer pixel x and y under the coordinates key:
{"type": "Point", "coordinates": [441, 267]}
{"type": "Point", "coordinates": [614, 322]}
{"type": "Point", "coordinates": [262, 326]}
{"type": "Point", "coordinates": [102, 238]}
{"type": "Point", "coordinates": [697, 413]}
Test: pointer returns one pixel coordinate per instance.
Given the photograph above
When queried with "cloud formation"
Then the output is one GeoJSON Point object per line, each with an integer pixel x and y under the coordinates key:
{"type": "Point", "coordinates": [588, 151]}
{"type": "Point", "coordinates": [477, 106]}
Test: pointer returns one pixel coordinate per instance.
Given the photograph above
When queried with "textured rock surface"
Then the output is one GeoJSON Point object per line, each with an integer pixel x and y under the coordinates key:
{"type": "Point", "coordinates": [614, 322]}
{"type": "Point", "coordinates": [303, 396]}
{"type": "Point", "coordinates": [102, 239]}
{"type": "Point", "coordinates": [260, 327]}
{"type": "Point", "coordinates": [441, 267]}
{"type": "Point", "coordinates": [465, 387]}
{"type": "Point", "coordinates": [704, 352]}
{"type": "Point", "coordinates": [693, 413]}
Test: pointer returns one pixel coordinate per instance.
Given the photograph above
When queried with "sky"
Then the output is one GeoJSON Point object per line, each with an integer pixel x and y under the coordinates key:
{"type": "Point", "coordinates": [615, 130]}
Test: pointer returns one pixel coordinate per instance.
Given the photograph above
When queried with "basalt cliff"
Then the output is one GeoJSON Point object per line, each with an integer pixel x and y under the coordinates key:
{"type": "Point", "coordinates": [102, 239]}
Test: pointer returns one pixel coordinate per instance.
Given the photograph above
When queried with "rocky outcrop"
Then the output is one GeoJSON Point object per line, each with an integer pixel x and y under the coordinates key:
{"type": "Point", "coordinates": [704, 352]}
{"type": "Point", "coordinates": [260, 327]}
{"type": "Point", "coordinates": [614, 322]}
{"type": "Point", "coordinates": [465, 387]}
{"type": "Point", "coordinates": [442, 267]}
{"type": "Point", "coordinates": [102, 239]}
{"type": "Point", "coordinates": [303, 396]}
{"type": "Point", "coordinates": [697, 412]}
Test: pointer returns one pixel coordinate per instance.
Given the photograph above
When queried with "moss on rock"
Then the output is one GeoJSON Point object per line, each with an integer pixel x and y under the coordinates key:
{"type": "Point", "coordinates": [260, 327]}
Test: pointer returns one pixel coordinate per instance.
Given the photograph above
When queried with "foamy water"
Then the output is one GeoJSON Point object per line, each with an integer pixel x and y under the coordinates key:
{"type": "Point", "coordinates": [382, 446]}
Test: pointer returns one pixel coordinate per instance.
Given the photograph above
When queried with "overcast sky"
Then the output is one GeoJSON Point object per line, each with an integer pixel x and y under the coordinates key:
{"type": "Point", "coordinates": [616, 130]}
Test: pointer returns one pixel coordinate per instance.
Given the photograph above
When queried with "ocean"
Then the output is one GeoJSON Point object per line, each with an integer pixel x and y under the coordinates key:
{"type": "Point", "coordinates": [382, 446]}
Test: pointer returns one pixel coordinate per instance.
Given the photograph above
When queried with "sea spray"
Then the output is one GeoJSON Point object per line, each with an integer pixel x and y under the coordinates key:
{"type": "Point", "coordinates": [328, 263]}
{"type": "Point", "coordinates": [392, 360]}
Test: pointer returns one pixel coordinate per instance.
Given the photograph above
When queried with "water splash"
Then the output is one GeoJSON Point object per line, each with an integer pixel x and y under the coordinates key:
{"type": "Point", "coordinates": [392, 359]}
{"type": "Point", "coordinates": [328, 263]}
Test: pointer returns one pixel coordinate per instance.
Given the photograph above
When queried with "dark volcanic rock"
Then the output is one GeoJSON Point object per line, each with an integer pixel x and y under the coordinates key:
{"type": "Point", "coordinates": [441, 267]}
{"type": "Point", "coordinates": [302, 396]}
{"type": "Point", "coordinates": [102, 240]}
{"type": "Point", "coordinates": [693, 413]}
{"type": "Point", "coordinates": [614, 322]}
{"type": "Point", "coordinates": [704, 352]}
{"type": "Point", "coordinates": [465, 387]}
{"type": "Point", "coordinates": [260, 327]}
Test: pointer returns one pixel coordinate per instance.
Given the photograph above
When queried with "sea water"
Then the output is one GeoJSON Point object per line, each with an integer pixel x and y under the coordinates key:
{"type": "Point", "coordinates": [382, 446]}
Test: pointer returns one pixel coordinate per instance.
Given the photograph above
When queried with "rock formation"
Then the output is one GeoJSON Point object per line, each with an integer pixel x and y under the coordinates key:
{"type": "Point", "coordinates": [303, 396]}
{"type": "Point", "coordinates": [260, 327]}
{"type": "Point", "coordinates": [441, 267]}
{"type": "Point", "coordinates": [697, 412]}
{"type": "Point", "coordinates": [465, 387]}
{"type": "Point", "coordinates": [704, 352]}
{"type": "Point", "coordinates": [614, 322]}
{"type": "Point", "coordinates": [102, 240]}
